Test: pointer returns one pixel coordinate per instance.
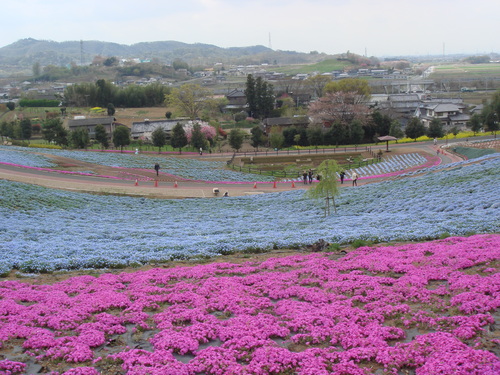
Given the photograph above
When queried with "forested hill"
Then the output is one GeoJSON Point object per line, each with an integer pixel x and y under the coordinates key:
{"type": "Point", "coordinates": [26, 52]}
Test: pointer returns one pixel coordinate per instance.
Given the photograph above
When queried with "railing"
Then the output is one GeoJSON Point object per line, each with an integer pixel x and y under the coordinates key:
{"type": "Point", "coordinates": [297, 174]}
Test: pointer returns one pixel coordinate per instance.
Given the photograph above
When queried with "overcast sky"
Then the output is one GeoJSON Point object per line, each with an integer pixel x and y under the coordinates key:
{"type": "Point", "coordinates": [379, 28]}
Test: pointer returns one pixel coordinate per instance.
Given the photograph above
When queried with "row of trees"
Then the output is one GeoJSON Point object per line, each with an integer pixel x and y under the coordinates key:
{"type": "Point", "coordinates": [102, 92]}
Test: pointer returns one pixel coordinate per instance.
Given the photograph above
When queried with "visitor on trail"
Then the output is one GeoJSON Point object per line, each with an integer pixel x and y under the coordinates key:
{"type": "Point", "coordinates": [304, 177]}
{"type": "Point", "coordinates": [435, 141]}
{"type": "Point", "coordinates": [201, 151]}
{"type": "Point", "coordinates": [226, 194]}
{"type": "Point", "coordinates": [354, 179]}
{"type": "Point", "coordinates": [157, 168]}
{"type": "Point", "coordinates": [310, 175]}
{"type": "Point", "coordinates": [342, 175]}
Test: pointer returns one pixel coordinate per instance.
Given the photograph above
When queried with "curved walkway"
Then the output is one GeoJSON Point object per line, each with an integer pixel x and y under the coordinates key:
{"type": "Point", "coordinates": [166, 188]}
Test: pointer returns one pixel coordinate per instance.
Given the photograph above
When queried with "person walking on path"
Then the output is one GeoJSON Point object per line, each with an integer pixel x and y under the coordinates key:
{"type": "Point", "coordinates": [354, 179]}
{"type": "Point", "coordinates": [157, 168]}
{"type": "Point", "coordinates": [342, 175]}
{"type": "Point", "coordinates": [304, 177]}
{"type": "Point", "coordinates": [310, 175]}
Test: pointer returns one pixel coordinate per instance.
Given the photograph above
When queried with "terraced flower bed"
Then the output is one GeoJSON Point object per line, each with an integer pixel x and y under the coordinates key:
{"type": "Point", "coordinates": [44, 230]}
{"type": "Point", "coordinates": [426, 309]}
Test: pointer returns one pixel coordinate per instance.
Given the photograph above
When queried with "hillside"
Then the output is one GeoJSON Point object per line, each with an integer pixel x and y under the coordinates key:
{"type": "Point", "coordinates": [25, 52]}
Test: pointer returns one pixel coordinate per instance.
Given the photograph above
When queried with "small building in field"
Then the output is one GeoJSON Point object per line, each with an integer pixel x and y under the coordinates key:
{"type": "Point", "coordinates": [284, 122]}
{"type": "Point", "coordinates": [89, 123]}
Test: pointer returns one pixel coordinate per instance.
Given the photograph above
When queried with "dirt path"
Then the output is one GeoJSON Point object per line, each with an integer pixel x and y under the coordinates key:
{"type": "Point", "coordinates": [140, 182]}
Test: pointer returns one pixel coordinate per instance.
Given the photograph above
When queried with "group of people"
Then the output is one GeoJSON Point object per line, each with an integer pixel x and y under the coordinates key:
{"type": "Point", "coordinates": [307, 176]}
{"type": "Point", "coordinates": [354, 177]}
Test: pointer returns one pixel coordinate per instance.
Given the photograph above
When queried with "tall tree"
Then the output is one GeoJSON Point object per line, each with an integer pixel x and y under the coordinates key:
{"type": "Point", "coordinates": [111, 109]}
{"type": "Point", "coordinates": [54, 131]}
{"type": "Point", "coordinates": [435, 129]}
{"type": "Point", "coordinates": [101, 136]}
{"type": "Point", "coordinates": [251, 95]}
{"type": "Point", "coordinates": [121, 137]}
{"type": "Point", "coordinates": [190, 99]}
{"type": "Point", "coordinates": [260, 97]}
{"type": "Point", "coordinates": [491, 113]}
{"type": "Point", "coordinates": [355, 85]}
{"type": "Point", "coordinates": [26, 128]}
{"type": "Point", "coordinates": [179, 138]}
{"type": "Point", "coordinates": [236, 139]}
{"type": "Point", "coordinates": [476, 123]}
{"type": "Point", "coordinates": [258, 138]}
{"type": "Point", "coordinates": [276, 138]}
{"type": "Point", "coordinates": [317, 84]}
{"type": "Point", "coordinates": [356, 132]}
{"type": "Point", "coordinates": [198, 139]}
{"type": "Point", "coordinates": [79, 138]}
{"type": "Point", "coordinates": [327, 187]}
{"type": "Point", "coordinates": [159, 138]}
{"type": "Point", "coordinates": [396, 130]}
{"type": "Point", "coordinates": [415, 128]}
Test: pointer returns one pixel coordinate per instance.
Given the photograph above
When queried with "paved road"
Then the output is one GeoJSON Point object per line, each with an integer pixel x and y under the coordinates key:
{"type": "Point", "coordinates": [180, 189]}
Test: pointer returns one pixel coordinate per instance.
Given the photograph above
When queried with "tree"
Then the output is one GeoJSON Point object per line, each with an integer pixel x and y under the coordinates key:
{"type": "Point", "coordinates": [79, 138]}
{"type": "Point", "coordinates": [276, 139]}
{"type": "Point", "coordinates": [435, 129]}
{"type": "Point", "coordinates": [179, 138]}
{"type": "Point", "coordinates": [355, 85]}
{"type": "Point", "coordinates": [396, 130]}
{"type": "Point", "coordinates": [251, 96]}
{"type": "Point", "coordinates": [317, 84]}
{"type": "Point", "coordinates": [159, 138]}
{"type": "Point", "coordinates": [415, 129]}
{"type": "Point", "coordinates": [101, 136]}
{"type": "Point", "coordinates": [315, 135]}
{"type": "Point", "coordinates": [339, 107]}
{"type": "Point", "coordinates": [491, 113]}
{"type": "Point", "coordinates": [105, 92]}
{"type": "Point", "coordinates": [121, 137]}
{"type": "Point", "coordinates": [476, 123]}
{"type": "Point", "coordinates": [36, 69]}
{"type": "Point", "coordinates": [190, 99]}
{"type": "Point", "coordinates": [11, 106]}
{"type": "Point", "coordinates": [356, 132]}
{"type": "Point", "coordinates": [111, 109]}
{"type": "Point", "coordinates": [236, 139]}
{"type": "Point", "coordinates": [380, 124]}
{"type": "Point", "coordinates": [260, 97]}
{"type": "Point", "coordinates": [327, 187]}
{"type": "Point", "coordinates": [289, 134]}
{"type": "Point", "coordinates": [54, 131]}
{"type": "Point", "coordinates": [258, 138]}
{"type": "Point", "coordinates": [26, 128]}
{"type": "Point", "coordinates": [198, 139]}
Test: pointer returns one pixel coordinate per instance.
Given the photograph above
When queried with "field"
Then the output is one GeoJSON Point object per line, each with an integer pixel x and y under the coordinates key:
{"type": "Point", "coordinates": [460, 71]}
{"type": "Point", "coordinates": [407, 283]}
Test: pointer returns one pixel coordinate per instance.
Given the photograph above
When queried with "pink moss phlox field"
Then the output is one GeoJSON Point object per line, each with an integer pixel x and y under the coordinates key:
{"type": "Point", "coordinates": [425, 308]}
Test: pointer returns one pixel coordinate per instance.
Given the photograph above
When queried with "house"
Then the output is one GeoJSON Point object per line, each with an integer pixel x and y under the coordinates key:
{"type": "Point", "coordinates": [91, 122]}
{"type": "Point", "coordinates": [450, 114]}
{"type": "Point", "coordinates": [284, 122]}
{"type": "Point", "coordinates": [144, 129]}
{"type": "Point", "coordinates": [237, 101]}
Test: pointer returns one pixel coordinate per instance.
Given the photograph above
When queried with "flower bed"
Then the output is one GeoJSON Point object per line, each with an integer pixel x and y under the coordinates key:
{"type": "Point", "coordinates": [183, 167]}
{"type": "Point", "coordinates": [44, 230]}
{"type": "Point", "coordinates": [421, 309]}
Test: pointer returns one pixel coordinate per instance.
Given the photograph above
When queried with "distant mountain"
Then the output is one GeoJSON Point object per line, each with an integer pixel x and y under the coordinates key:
{"type": "Point", "coordinates": [25, 52]}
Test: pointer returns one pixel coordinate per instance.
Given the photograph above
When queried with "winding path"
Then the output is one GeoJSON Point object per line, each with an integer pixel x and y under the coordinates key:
{"type": "Point", "coordinates": [108, 181]}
